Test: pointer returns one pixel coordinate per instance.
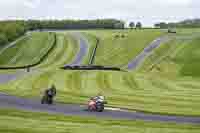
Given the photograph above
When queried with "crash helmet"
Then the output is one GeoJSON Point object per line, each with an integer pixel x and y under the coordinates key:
{"type": "Point", "coordinates": [100, 96]}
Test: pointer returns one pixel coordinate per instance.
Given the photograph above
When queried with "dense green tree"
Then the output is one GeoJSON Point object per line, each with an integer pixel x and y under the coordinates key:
{"type": "Point", "coordinates": [3, 39]}
{"type": "Point", "coordinates": [131, 25]}
{"type": "Point", "coordinates": [75, 24]}
{"type": "Point", "coordinates": [138, 25]}
{"type": "Point", "coordinates": [10, 30]}
{"type": "Point", "coordinates": [161, 25]}
{"type": "Point", "coordinates": [189, 23]}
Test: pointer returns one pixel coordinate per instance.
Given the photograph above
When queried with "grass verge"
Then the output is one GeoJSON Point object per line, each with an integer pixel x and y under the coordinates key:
{"type": "Point", "coordinates": [27, 122]}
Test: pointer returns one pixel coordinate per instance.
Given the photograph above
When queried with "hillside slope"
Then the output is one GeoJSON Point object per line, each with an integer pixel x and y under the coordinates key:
{"type": "Point", "coordinates": [28, 50]}
{"type": "Point", "coordinates": [118, 47]}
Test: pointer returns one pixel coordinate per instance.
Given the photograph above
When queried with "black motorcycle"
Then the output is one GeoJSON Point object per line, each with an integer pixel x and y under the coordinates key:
{"type": "Point", "coordinates": [100, 106]}
{"type": "Point", "coordinates": [47, 99]}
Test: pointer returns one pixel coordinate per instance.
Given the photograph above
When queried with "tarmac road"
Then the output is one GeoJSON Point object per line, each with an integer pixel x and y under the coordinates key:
{"type": "Point", "coordinates": [83, 45]}
{"type": "Point", "coordinates": [7, 101]}
{"type": "Point", "coordinates": [141, 57]}
{"type": "Point", "coordinates": [4, 78]}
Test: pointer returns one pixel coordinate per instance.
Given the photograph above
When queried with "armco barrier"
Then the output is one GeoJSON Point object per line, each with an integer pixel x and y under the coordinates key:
{"type": "Point", "coordinates": [91, 68]}
{"type": "Point", "coordinates": [35, 64]}
{"type": "Point", "coordinates": [94, 52]}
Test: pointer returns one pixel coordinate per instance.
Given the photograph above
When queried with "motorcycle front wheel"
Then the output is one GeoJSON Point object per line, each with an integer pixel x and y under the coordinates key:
{"type": "Point", "coordinates": [100, 108]}
{"type": "Point", "coordinates": [43, 100]}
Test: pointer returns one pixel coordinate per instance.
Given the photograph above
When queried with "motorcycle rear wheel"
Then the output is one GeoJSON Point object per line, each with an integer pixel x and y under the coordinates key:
{"type": "Point", "coordinates": [100, 108]}
{"type": "Point", "coordinates": [90, 108]}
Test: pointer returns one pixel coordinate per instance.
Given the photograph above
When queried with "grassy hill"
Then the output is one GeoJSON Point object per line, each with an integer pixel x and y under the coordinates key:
{"type": "Point", "coordinates": [148, 92]}
{"type": "Point", "coordinates": [116, 50]}
{"type": "Point", "coordinates": [63, 53]}
{"type": "Point", "coordinates": [28, 50]}
{"type": "Point", "coordinates": [26, 122]}
{"type": "Point", "coordinates": [167, 82]}
{"type": "Point", "coordinates": [179, 57]}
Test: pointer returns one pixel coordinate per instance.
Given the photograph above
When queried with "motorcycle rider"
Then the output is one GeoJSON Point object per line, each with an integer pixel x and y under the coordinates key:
{"type": "Point", "coordinates": [97, 103]}
{"type": "Point", "coordinates": [51, 92]}
{"type": "Point", "coordinates": [99, 98]}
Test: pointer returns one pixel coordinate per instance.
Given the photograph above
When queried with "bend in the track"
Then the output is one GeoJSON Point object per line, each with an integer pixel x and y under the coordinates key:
{"type": "Point", "coordinates": [133, 64]}
{"type": "Point", "coordinates": [7, 101]}
{"type": "Point", "coordinates": [83, 49]}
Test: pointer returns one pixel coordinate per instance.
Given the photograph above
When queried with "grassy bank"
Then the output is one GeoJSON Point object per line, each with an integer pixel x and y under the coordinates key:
{"type": "Point", "coordinates": [118, 47]}
{"type": "Point", "coordinates": [64, 52]}
{"type": "Point", "coordinates": [167, 82]}
{"type": "Point", "coordinates": [27, 51]}
{"type": "Point", "coordinates": [26, 122]}
{"type": "Point", "coordinates": [92, 42]}
{"type": "Point", "coordinates": [175, 59]}
{"type": "Point", "coordinates": [140, 92]}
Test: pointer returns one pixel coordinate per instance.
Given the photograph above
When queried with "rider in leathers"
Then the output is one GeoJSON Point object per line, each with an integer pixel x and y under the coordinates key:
{"type": "Point", "coordinates": [51, 92]}
{"type": "Point", "coordinates": [99, 98]}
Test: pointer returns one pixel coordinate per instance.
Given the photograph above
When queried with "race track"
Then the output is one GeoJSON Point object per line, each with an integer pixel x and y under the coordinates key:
{"type": "Point", "coordinates": [7, 101]}
{"type": "Point", "coordinates": [146, 52]}
{"type": "Point", "coordinates": [4, 78]}
{"type": "Point", "coordinates": [83, 49]}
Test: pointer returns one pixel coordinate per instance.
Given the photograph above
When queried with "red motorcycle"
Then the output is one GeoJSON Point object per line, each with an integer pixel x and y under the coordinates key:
{"type": "Point", "coordinates": [95, 105]}
{"type": "Point", "coordinates": [91, 105]}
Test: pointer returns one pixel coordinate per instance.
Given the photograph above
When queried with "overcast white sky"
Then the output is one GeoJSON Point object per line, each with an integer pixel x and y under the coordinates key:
{"type": "Point", "coordinates": [147, 11]}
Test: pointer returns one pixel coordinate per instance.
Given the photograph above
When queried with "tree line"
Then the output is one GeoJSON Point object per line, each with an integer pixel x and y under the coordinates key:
{"type": "Point", "coordinates": [10, 30]}
{"type": "Point", "coordinates": [189, 23]}
{"type": "Point", "coordinates": [138, 25]}
{"type": "Point", "coordinates": [76, 24]}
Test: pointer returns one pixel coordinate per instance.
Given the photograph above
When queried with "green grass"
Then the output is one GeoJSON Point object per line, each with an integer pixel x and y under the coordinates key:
{"type": "Point", "coordinates": [92, 41]}
{"type": "Point", "coordinates": [119, 51]}
{"type": "Point", "coordinates": [188, 31]}
{"type": "Point", "coordinates": [63, 53]}
{"type": "Point", "coordinates": [27, 51]}
{"type": "Point", "coordinates": [166, 82]}
{"type": "Point", "coordinates": [66, 49]}
{"type": "Point", "coordinates": [148, 92]}
{"type": "Point", "coordinates": [157, 56]}
{"type": "Point", "coordinates": [26, 122]}
{"type": "Point", "coordinates": [188, 58]}
{"type": "Point", "coordinates": [177, 58]}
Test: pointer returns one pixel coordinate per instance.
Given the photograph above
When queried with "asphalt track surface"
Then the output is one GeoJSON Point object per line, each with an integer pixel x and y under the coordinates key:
{"type": "Point", "coordinates": [146, 52]}
{"type": "Point", "coordinates": [32, 105]}
{"type": "Point", "coordinates": [4, 78]}
{"type": "Point", "coordinates": [83, 49]}
{"type": "Point", "coordinates": [7, 101]}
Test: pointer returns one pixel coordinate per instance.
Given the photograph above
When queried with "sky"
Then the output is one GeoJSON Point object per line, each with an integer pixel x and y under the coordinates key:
{"type": "Point", "coordinates": [147, 11]}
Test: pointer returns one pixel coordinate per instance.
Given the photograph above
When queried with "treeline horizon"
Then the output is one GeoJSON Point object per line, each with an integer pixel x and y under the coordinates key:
{"type": "Point", "coordinates": [188, 23]}
{"type": "Point", "coordinates": [12, 29]}
{"type": "Point", "coordinates": [76, 24]}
